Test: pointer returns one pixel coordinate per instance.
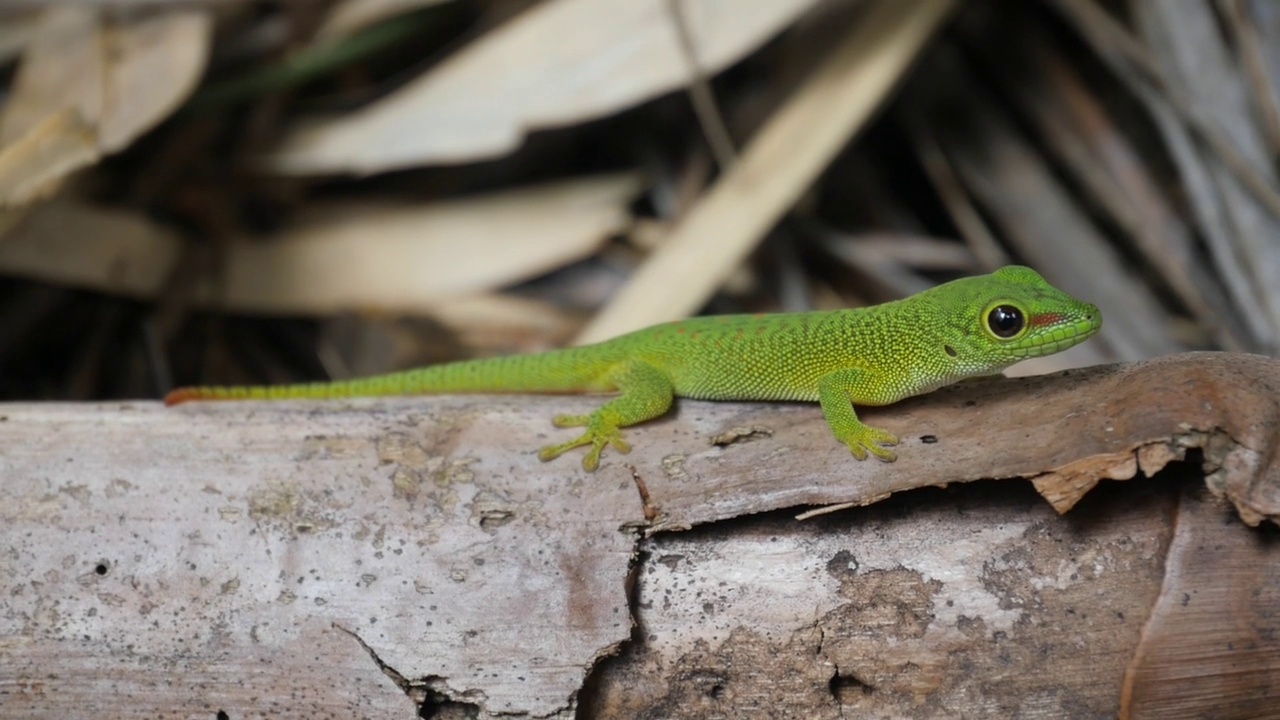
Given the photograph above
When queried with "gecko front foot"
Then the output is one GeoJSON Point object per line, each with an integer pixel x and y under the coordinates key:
{"type": "Point", "coordinates": [599, 434]}
{"type": "Point", "coordinates": [864, 439]}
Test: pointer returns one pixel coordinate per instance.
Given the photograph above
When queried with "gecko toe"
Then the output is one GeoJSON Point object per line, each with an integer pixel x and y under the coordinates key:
{"type": "Point", "coordinates": [883, 454]}
{"type": "Point", "coordinates": [869, 441]}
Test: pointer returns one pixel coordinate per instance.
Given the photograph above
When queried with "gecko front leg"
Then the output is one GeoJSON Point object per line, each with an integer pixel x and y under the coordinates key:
{"type": "Point", "coordinates": [837, 392]}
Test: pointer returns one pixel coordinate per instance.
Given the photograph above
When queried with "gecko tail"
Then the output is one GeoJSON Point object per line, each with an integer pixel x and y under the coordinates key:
{"type": "Point", "coordinates": [366, 387]}
{"type": "Point", "coordinates": [558, 371]}
{"type": "Point", "coordinates": [188, 394]}
{"type": "Point", "coordinates": [181, 395]}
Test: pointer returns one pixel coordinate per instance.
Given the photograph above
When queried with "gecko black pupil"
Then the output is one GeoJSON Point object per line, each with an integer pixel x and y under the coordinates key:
{"type": "Point", "coordinates": [1005, 321]}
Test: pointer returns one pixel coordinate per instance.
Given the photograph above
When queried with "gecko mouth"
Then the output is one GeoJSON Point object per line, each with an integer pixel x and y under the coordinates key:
{"type": "Point", "coordinates": [1059, 338]}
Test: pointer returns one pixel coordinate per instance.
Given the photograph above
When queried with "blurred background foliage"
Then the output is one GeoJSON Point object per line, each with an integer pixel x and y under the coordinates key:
{"type": "Point", "coordinates": [272, 191]}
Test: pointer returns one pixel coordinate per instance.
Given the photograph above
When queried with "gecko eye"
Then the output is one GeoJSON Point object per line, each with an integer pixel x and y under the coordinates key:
{"type": "Point", "coordinates": [1005, 321]}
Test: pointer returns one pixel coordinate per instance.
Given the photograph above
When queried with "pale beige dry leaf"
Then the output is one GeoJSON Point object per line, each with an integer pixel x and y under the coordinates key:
{"type": "Point", "coordinates": [76, 245]}
{"type": "Point", "coordinates": [775, 168]}
{"type": "Point", "coordinates": [153, 65]}
{"type": "Point", "coordinates": [413, 257]}
{"type": "Point", "coordinates": [72, 244]}
{"type": "Point", "coordinates": [89, 85]}
{"type": "Point", "coordinates": [410, 258]}
{"type": "Point", "coordinates": [352, 16]}
{"type": "Point", "coordinates": [541, 69]}
{"type": "Point", "coordinates": [60, 71]}
{"type": "Point", "coordinates": [15, 29]}
{"type": "Point", "coordinates": [34, 165]}
{"type": "Point", "coordinates": [493, 320]}
{"type": "Point", "coordinates": [364, 344]}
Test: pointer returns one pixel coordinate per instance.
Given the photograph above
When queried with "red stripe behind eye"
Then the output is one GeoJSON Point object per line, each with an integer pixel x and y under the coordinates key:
{"type": "Point", "coordinates": [1042, 319]}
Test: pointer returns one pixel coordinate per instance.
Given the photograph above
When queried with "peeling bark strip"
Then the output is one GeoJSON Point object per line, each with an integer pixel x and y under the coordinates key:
{"type": "Point", "coordinates": [1064, 431]}
{"type": "Point", "coordinates": [369, 558]}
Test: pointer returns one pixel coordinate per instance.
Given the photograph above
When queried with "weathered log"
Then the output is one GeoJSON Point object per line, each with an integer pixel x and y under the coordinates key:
{"type": "Point", "coordinates": [411, 556]}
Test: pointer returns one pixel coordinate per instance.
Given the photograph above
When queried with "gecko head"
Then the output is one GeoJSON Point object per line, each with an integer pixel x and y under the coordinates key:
{"type": "Point", "coordinates": [1010, 315]}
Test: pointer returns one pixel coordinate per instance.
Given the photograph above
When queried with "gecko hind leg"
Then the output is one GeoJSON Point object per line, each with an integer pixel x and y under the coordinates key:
{"type": "Point", "coordinates": [646, 393]}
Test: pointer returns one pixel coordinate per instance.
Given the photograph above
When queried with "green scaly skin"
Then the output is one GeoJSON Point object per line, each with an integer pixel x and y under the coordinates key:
{"type": "Point", "coordinates": [867, 356]}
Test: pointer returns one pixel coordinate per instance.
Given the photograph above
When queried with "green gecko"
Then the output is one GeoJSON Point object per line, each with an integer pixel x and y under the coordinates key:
{"type": "Point", "coordinates": [874, 355]}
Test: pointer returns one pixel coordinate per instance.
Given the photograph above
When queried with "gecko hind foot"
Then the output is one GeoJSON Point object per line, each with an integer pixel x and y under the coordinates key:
{"type": "Point", "coordinates": [598, 436]}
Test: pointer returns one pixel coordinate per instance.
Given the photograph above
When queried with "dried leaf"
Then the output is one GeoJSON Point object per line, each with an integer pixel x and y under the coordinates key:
{"type": "Point", "coordinates": [60, 72]}
{"type": "Point", "coordinates": [33, 166]}
{"type": "Point", "coordinates": [15, 30]}
{"type": "Point", "coordinates": [351, 16]}
{"type": "Point", "coordinates": [111, 251]}
{"type": "Point", "coordinates": [774, 169]}
{"type": "Point", "coordinates": [89, 85]}
{"type": "Point", "coordinates": [960, 207]}
{"type": "Point", "coordinates": [1228, 195]}
{"type": "Point", "coordinates": [1039, 216]}
{"type": "Point", "coordinates": [152, 65]}
{"type": "Point", "coordinates": [1086, 137]}
{"type": "Point", "coordinates": [539, 70]}
{"type": "Point", "coordinates": [488, 321]}
{"type": "Point", "coordinates": [1195, 57]}
{"type": "Point", "coordinates": [408, 258]}
{"type": "Point", "coordinates": [1257, 55]}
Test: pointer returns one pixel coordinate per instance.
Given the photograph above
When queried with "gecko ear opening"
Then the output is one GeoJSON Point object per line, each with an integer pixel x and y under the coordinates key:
{"type": "Point", "coordinates": [1006, 321]}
